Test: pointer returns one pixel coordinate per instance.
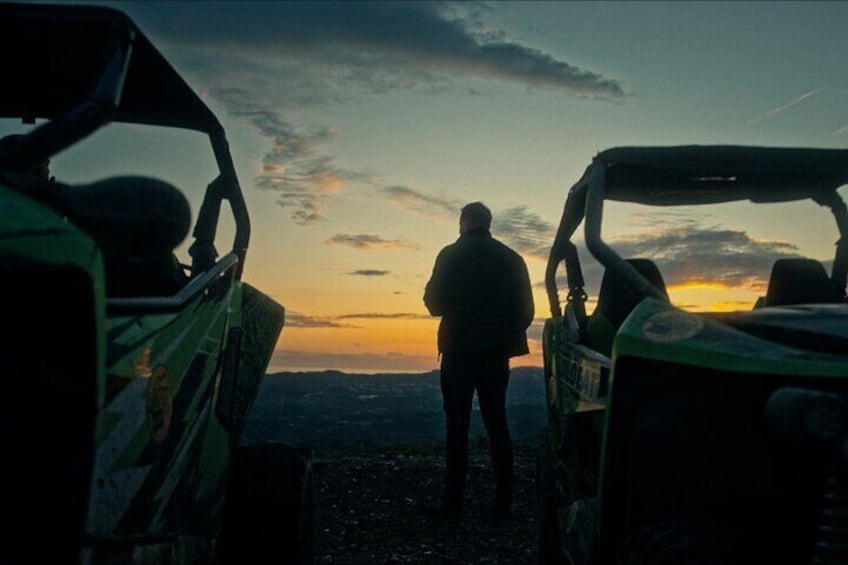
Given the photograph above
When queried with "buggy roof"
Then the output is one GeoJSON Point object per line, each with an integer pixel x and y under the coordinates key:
{"type": "Point", "coordinates": [695, 174]}
{"type": "Point", "coordinates": [53, 57]}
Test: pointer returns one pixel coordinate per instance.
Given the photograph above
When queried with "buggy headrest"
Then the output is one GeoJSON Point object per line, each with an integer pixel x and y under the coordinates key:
{"type": "Point", "coordinates": [616, 299]}
{"type": "Point", "coordinates": [799, 281]}
{"type": "Point", "coordinates": [127, 216]}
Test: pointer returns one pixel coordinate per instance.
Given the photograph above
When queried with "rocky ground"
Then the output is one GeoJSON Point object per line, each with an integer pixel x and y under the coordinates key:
{"type": "Point", "coordinates": [379, 466]}
{"type": "Point", "coordinates": [380, 506]}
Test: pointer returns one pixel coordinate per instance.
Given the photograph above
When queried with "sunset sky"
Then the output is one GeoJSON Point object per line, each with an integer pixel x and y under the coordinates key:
{"type": "Point", "coordinates": [359, 130]}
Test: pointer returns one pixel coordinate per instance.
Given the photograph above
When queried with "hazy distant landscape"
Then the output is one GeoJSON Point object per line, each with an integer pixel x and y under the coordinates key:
{"type": "Point", "coordinates": [331, 409]}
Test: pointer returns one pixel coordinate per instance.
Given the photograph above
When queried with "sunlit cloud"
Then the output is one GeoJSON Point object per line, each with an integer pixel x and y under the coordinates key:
{"type": "Point", "coordinates": [297, 320]}
{"type": "Point", "coordinates": [722, 306]}
{"type": "Point", "coordinates": [708, 256]}
{"type": "Point", "coordinates": [524, 231]}
{"type": "Point", "coordinates": [293, 168]}
{"type": "Point", "coordinates": [420, 203]}
{"type": "Point", "coordinates": [700, 284]}
{"type": "Point", "coordinates": [384, 316]}
{"type": "Point", "coordinates": [779, 109]}
{"type": "Point", "coordinates": [366, 242]}
{"type": "Point", "coordinates": [691, 258]}
{"type": "Point", "coordinates": [691, 254]}
{"type": "Point", "coordinates": [369, 273]}
{"type": "Point", "coordinates": [841, 131]}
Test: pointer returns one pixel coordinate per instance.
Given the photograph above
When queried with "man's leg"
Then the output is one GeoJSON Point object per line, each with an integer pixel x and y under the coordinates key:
{"type": "Point", "coordinates": [491, 391]}
{"type": "Point", "coordinates": [457, 393]}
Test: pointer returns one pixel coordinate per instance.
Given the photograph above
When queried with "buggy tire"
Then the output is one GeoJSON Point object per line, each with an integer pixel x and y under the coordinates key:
{"type": "Point", "coordinates": [549, 548]}
{"type": "Point", "coordinates": [269, 511]}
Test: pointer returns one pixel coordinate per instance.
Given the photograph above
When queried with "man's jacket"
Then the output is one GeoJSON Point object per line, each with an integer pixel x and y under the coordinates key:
{"type": "Point", "coordinates": [481, 289]}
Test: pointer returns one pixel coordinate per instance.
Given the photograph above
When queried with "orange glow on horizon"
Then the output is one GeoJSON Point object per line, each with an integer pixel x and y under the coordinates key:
{"type": "Point", "coordinates": [375, 344]}
{"type": "Point", "coordinates": [713, 296]}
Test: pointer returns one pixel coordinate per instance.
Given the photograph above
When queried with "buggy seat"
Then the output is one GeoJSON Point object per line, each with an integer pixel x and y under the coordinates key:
{"type": "Point", "coordinates": [137, 222]}
{"type": "Point", "coordinates": [616, 300]}
{"type": "Point", "coordinates": [799, 281]}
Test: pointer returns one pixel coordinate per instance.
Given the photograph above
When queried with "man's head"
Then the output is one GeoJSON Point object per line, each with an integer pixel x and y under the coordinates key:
{"type": "Point", "coordinates": [9, 144]}
{"type": "Point", "coordinates": [474, 216]}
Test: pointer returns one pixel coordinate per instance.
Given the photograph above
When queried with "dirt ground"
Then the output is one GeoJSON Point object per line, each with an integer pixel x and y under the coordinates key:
{"type": "Point", "coordinates": [381, 506]}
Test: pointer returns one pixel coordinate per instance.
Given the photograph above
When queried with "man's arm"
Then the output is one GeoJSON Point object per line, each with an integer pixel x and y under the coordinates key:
{"type": "Point", "coordinates": [434, 292]}
{"type": "Point", "coordinates": [525, 293]}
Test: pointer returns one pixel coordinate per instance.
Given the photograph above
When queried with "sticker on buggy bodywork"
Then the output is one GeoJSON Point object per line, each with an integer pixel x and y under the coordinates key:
{"type": "Point", "coordinates": [159, 404]}
{"type": "Point", "coordinates": [141, 366]}
{"type": "Point", "coordinates": [669, 327]}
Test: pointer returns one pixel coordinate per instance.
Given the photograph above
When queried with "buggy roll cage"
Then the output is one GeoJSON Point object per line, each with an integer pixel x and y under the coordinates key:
{"type": "Point", "coordinates": [668, 176]}
{"type": "Point", "coordinates": [135, 84]}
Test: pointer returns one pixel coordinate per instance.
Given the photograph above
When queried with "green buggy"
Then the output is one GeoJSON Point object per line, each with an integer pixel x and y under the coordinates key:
{"type": "Point", "coordinates": [679, 438]}
{"type": "Point", "coordinates": [128, 377]}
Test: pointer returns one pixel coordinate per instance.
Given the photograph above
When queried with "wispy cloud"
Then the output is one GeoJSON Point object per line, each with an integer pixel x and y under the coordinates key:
{"type": "Point", "coordinates": [263, 60]}
{"type": "Point", "coordinates": [841, 131]}
{"type": "Point", "coordinates": [385, 45]}
{"type": "Point", "coordinates": [524, 231]}
{"type": "Point", "coordinates": [420, 203]}
{"type": "Point", "coordinates": [369, 273]}
{"type": "Point", "coordinates": [384, 316]}
{"type": "Point", "coordinates": [779, 109]}
{"type": "Point", "coordinates": [294, 168]}
{"type": "Point", "coordinates": [366, 242]}
{"type": "Point", "coordinates": [297, 320]}
{"type": "Point", "coordinates": [519, 227]}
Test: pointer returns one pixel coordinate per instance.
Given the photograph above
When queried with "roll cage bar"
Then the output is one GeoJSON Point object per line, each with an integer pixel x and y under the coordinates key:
{"type": "Point", "coordinates": [136, 85]}
{"type": "Point", "coordinates": [687, 183]}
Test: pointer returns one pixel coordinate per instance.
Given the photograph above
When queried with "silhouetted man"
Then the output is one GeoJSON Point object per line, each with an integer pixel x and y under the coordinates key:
{"type": "Point", "coordinates": [481, 289]}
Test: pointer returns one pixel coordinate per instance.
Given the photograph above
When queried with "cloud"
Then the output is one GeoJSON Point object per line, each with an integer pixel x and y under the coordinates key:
{"type": "Point", "coordinates": [420, 203]}
{"type": "Point", "coordinates": [366, 242]}
{"type": "Point", "coordinates": [695, 255]}
{"type": "Point", "coordinates": [384, 45]}
{"type": "Point", "coordinates": [841, 131]}
{"type": "Point", "coordinates": [297, 320]}
{"type": "Point", "coordinates": [306, 321]}
{"type": "Point", "coordinates": [268, 59]}
{"type": "Point", "coordinates": [691, 255]}
{"type": "Point", "coordinates": [518, 227]}
{"type": "Point", "coordinates": [779, 109]}
{"type": "Point", "coordinates": [656, 219]}
{"type": "Point", "coordinates": [524, 231]}
{"type": "Point", "coordinates": [294, 168]}
{"type": "Point", "coordinates": [384, 316]}
{"type": "Point", "coordinates": [369, 273]}
{"type": "Point", "coordinates": [723, 306]}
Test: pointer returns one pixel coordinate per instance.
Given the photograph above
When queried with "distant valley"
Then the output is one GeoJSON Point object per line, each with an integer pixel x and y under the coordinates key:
{"type": "Point", "coordinates": [334, 410]}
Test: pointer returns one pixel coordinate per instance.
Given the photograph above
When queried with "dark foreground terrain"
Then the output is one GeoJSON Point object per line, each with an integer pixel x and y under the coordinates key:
{"type": "Point", "coordinates": [379, 466]}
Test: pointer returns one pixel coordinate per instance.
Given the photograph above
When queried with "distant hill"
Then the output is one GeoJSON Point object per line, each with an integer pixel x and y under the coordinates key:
{"type": "Point", "coordinates": [331, 409]}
